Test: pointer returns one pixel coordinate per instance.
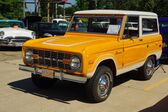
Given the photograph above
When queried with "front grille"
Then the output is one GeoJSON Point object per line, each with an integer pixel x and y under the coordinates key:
{"type": "Point", "coordinates": [51, 59]}
{"type": "Point", "coordinates": [19, 40]}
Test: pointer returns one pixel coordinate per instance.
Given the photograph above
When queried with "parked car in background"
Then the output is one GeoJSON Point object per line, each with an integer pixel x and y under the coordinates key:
{"type": "Point", "coordinates": [30, 20]}
{"type": "Point", "coordinates": [12, 33]}
{"type": "Point", "coordinates": [10, 23]}
{"type": "Point", "coordinates": [164, 32]}
{"type": "Point", "coordinates": [58, 20]}
{"type": "Point", "coordinates": [49, 29]}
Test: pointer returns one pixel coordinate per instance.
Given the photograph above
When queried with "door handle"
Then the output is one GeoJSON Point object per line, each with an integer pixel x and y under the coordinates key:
{"type": "Point", "coordinates": [140, 39]}
{"type": "Point", "coordinates": [147, 46]}
{"type": "Point", "coordinates": [118, 52]}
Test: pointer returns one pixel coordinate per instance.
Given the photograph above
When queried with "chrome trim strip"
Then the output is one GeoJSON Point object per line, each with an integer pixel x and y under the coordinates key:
{"type": "Point", "coordinates": [64, 76]}
{"type": "Point", "coordinates": [58, 75]}
{"type": "Point", "coordinates": [26, 68]}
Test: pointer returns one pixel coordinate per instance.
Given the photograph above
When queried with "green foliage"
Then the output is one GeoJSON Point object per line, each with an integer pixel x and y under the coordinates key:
{"type": "Point", "coordinates": [157, 6]}
{"type": "Point", "coordinates": [70, 10]}
{"type": "Point", "coordinates": [82, 4]}
{"type": "Point", "coordinates": [11, 9]}
{"type": "Point", "coordinates": [44, 8]}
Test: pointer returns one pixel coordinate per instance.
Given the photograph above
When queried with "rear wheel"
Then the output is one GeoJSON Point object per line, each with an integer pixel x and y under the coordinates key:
{"type": "Point", "coordinates": [147, 70]}
{"type": "Point", "coordinates": [99, 86]}
{"type": "Point", "coordinates": [42, 82]}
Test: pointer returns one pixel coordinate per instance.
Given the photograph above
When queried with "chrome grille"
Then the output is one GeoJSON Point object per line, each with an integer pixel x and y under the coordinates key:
{"type": "Point", "coordinates": [51, 59]}
{"type": "Point", "coordinates": [18, 39]}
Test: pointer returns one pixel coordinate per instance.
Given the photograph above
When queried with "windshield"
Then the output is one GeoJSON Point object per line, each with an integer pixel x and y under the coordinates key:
{"type": "Point", "coordinates": [97, 24]}
{"type": "Point", "coordinates": [11, 24]}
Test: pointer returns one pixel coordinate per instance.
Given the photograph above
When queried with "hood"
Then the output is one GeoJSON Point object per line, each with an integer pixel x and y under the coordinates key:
{"type": "Point", "coordinates": [14, 29]}
{"type": "Point", "coordinates": [72, 42]}
{"type": "Point", "coordinates": [13, 32]}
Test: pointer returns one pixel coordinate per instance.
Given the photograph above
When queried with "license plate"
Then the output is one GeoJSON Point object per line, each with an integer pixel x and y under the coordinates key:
{"type": "Point", "coordinates": [47, 73]}
{"type": "Point", "coordinates": [18, 44]}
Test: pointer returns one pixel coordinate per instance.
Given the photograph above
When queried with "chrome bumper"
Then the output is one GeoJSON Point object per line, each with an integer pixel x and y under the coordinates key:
{"type": "Point", "coordinates": [58, 75]}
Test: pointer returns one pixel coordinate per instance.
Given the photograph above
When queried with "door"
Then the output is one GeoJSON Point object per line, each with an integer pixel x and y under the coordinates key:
{"type": "Point", "coordinates": [134, 45]}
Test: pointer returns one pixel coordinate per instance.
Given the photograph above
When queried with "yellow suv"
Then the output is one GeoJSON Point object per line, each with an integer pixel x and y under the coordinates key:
{"type": "Point", "coordinates": [98, 45]}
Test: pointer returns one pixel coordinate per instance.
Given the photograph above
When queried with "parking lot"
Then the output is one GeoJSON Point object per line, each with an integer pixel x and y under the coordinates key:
{"type": "Point", "coordinates": [18, 94]}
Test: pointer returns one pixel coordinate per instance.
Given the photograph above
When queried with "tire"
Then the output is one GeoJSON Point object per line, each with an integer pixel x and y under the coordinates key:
{"type": "Point", "coordinates": [100, 85]}
{"type": "Point", "coordinates": [147, 70]}
{"type": "Point", "coordinates": [42, 82]}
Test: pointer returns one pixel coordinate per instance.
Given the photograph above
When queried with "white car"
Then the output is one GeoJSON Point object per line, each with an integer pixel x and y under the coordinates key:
{"type": "Point", "coordinates": [57, 20]}
{"type": "Point", "coordinates": [14, 35]}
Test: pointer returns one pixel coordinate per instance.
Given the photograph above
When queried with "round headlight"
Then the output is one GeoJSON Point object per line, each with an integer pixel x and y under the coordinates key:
{"type": "Point", "coordinates": [75, 63]}
{"type": "Point", "coordinates": [29, 56]}
{"type": "Point", "coordinates": [2, 33]}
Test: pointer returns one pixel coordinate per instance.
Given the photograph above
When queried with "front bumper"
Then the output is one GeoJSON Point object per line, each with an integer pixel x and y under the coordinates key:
{"type": "Point", "coordinates": [58, 75]}
{"type": "Point", "coordinates": [12, 44]}
{"type": "Point", "coordinates": [14, 41]}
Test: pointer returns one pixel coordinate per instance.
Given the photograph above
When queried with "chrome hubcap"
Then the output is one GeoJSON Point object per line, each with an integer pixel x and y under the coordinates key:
{"type": "Point", "coordinates": [103, 85]}
{"type": "Point", "coordinates": [149, 67]}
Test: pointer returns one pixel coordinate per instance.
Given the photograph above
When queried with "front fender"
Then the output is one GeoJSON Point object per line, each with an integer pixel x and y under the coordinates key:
{"type": "Point", "coordinates": [94, 63]}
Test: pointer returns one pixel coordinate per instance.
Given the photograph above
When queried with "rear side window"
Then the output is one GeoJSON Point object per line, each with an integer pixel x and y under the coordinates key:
{"type": "Point", "coordinates": [149, 26]}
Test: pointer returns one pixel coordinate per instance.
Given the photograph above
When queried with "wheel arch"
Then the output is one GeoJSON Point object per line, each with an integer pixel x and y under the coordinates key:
{"type": "Point", "coordinates": [109, 62]}
{"type": "Point", "coordinates": [154, 56]}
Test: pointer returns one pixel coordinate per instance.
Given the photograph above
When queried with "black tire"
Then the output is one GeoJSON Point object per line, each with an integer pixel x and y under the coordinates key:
{"type": "Point", "coordinates": [42, 82]}
{"type": "Point", "coordinates": [146, 72]}
{"type": "Point", "coordinates": [93, 89]}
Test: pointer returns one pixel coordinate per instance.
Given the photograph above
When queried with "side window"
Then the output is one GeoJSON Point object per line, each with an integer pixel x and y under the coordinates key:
{"type": "Point", "coordinates": [149, 26]}
{"type": "Point", "coordinates": [131, 27]}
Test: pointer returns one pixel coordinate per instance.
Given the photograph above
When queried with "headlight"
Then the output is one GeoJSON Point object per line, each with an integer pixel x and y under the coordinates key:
{"type": "Point", "coordinates": [75, 63]}
{"type": "Point", "coordinates": [2, 33]}
{"type": "Point", "coordinates": [28, 56]}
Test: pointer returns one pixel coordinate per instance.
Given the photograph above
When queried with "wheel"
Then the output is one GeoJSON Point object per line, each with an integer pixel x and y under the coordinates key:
{"type": "Point", "coordinates": [147, 70]}
{"type": "Point", "coordinates": [42, 82]}
{"type": "Point", "coordinates": [99, 86]}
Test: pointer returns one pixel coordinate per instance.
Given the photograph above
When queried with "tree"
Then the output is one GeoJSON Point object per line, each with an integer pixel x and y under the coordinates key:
{"type": "Point", "coordinates": [147, 5]}
{"type": "Point", "coordinates": [161, 7]}
{"type": "Point", "coordinates": [11, 9]}
{"type": "Point", "coordinates": [157, 6]}
{"type": "Point", "coordinates": [82, 4]}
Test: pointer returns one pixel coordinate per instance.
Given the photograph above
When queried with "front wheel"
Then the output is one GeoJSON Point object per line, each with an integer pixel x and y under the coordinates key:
{"type": "Point", "coordinates": [42, 82]}
{"type": "Point", "coordinates": [147, 70]}
{"type": "Point", "coordinates": [99, 86]}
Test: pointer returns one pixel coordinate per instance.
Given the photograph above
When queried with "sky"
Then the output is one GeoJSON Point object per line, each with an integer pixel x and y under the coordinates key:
{"type": "Point", "coordinates": [30, 7]}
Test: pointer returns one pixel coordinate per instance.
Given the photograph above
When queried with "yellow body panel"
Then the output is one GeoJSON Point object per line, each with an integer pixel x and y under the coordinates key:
{"type": "Point", "coordinates": [138, 49]}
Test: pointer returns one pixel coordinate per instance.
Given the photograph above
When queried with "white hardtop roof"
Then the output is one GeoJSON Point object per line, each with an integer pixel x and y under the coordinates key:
{"type": "Point", "coordinates": [120, 12]}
